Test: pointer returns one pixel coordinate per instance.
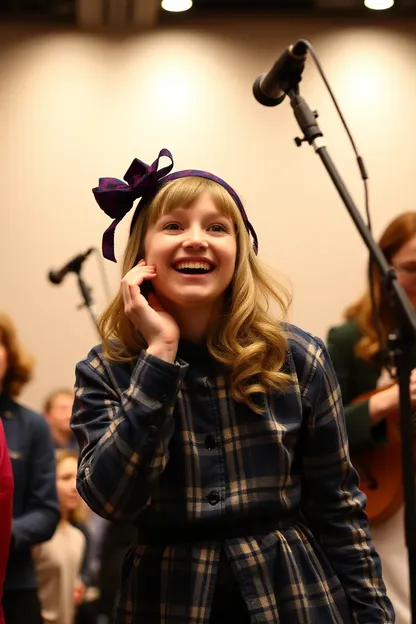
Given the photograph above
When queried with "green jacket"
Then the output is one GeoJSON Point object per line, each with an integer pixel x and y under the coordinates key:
{"type": "Point", "coordinates": [355, 377]}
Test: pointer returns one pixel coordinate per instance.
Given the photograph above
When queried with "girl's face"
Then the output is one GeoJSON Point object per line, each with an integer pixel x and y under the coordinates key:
{"type": "Point", "coordinates": [194, 250]}
{"type": "Point", "coordinates": [404, 261]}
{"type": "Point", "coordinates": [66, 474]}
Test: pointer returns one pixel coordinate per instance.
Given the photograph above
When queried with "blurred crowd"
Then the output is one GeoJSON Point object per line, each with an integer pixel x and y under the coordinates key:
{"type": "Point", "coordinates": [59, 562]}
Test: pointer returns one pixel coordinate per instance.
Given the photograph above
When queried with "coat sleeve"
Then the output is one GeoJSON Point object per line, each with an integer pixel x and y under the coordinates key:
{"type": "Point", "coordinates": [123, 435]}
{"type": "Point", "coordinates": [41, 515]}
{"type": "Point", "coordinates": [332, 502]}
{"type": "Point", "coordinates": [361, 432]}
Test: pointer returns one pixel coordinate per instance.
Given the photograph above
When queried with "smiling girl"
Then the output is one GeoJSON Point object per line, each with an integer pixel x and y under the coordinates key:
{"type": "Point", "coordinates": [216, 429]}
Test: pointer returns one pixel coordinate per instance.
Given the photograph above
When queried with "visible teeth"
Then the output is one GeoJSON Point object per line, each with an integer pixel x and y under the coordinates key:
{"type": "Point", "coordinates": [194, 265]}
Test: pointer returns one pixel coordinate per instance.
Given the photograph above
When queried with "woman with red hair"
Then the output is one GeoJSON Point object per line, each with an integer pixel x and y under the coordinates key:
{"type": "Point", "coordinates": [370, 395]}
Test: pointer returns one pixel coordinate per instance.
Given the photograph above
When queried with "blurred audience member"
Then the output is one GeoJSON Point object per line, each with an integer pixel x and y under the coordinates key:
{"type": "Point", "coordinates": [57, 409]}
{"type": "Point", "coordinates": [6, 500]}
{"type": "Point", "coordinates": [58, 562]}
{"type": "Point", "coordinates": [35, 502]}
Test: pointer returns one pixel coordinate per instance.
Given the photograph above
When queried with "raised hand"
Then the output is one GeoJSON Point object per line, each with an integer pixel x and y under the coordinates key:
{"type": "Point", "coordinates": [386, 402]}
{"type": "Point", "coordinates": [157, 326]}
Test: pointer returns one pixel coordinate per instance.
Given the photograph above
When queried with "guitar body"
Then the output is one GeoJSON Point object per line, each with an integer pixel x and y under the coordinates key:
{"type": "Point", "coordinates": [381, 475]}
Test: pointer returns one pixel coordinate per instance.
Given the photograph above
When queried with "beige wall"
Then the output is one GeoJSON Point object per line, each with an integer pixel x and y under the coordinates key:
{"type": "Point", "coordinates": [77, 106]}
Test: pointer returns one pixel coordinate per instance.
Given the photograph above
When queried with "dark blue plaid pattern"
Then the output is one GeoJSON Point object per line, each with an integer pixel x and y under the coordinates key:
{"type": "Point", "coordinates": [164, 446]}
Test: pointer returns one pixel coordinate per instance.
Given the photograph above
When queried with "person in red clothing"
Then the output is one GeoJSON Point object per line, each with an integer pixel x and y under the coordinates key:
{"type": "Point", "coordinates": [6, 510]}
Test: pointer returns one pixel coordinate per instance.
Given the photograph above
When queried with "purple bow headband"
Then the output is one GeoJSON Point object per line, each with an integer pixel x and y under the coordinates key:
{"type": "Point", "coordinates": [116, 198]}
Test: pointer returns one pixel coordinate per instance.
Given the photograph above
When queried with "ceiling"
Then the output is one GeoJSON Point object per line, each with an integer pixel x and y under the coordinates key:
{"type": "Point", "coordinates": [148, 12]}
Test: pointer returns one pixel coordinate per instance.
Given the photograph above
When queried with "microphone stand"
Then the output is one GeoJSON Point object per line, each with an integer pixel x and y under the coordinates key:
{"type": "Point", "coordinates": [86, 295]}
{"type": "Point", "coordinates": [404, 336]}
{"type": "Point", "coordinates": [76, 267]}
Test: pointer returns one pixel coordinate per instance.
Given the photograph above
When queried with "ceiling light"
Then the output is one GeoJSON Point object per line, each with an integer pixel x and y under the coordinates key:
{"type": "Point", "coordinates": [176, 6]}
{"type": "Point", "coordinates": [379, 5]}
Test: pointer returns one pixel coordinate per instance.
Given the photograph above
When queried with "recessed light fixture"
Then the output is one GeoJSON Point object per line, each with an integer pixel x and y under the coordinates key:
{"type": "Point", "coordinates": [176, 6]}
{"type": "Point", "coordinates": [379, 5]}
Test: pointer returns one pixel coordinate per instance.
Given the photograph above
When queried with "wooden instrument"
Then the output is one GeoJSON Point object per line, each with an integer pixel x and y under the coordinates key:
{"type": "Point", "coordinates": [380, 471]}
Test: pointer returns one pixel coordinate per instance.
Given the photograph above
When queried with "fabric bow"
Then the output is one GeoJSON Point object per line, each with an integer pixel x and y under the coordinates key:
{"type": "Point", "coordinates": [116, 197]}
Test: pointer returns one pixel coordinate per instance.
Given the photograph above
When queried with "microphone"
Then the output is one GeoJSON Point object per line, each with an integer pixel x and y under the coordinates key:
{"type": "Point", "coordinates": [270, 89]}
{"type": "Point", "coordinates": [73, 266]}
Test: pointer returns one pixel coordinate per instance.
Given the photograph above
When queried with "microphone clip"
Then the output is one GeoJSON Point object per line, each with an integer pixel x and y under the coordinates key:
{"type": "Point", "coordinates": [299, 140]}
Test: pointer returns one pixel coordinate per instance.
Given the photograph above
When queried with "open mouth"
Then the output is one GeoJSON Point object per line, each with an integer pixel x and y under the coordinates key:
{"type": "Point", "coordinates": [194, 268]}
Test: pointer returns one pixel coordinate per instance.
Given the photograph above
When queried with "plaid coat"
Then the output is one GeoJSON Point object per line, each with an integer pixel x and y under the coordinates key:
{"type": "Point", "coordinates": [166, 447]}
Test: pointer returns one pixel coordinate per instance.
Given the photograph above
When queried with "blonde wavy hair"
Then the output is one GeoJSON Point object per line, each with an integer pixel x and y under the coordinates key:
{"type": "Point", "coordinates": [20, 364]}
{"type": "Point", "coordinates": [246, 340]}
{"type": "Point", "coordinates": [398, 233]}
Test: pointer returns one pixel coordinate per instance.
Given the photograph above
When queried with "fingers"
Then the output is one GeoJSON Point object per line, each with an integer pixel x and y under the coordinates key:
{"type": "Point", "coordinates": [139, 273]}
{"type": "Point", "coordinates": [413, 391]}
{"type": "Point", "coordinates": [412, 387]}
{"type": "Point", "coordinates": [130, 288]}
{"type": "Point", "coordinates": [134, 278]}
{"type": "Point", "coordinates": [125, 291]}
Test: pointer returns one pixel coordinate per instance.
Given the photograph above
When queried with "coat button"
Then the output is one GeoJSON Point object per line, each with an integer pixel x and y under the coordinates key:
{"type": "Point", "coordinates": [153, 431]}
{"type": "Point", "coordinates": [210, 442]}
{"type": "Point", "coordinates": [213, 498]}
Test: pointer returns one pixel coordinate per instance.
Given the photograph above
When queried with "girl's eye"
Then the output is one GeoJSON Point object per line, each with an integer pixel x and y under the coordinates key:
{"type": "Point", "coordinates": [217, 227]}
